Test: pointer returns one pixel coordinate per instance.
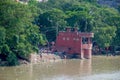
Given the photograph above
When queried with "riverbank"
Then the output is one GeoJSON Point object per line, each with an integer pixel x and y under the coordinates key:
{"type": "Point", "coordinates": [49, 57]}
{"type": "Point", "coordinates": [105, 56]}
{"type": "Point", "coordinates": [44, 57]}
{"type": "Point", "coordinates": [35, 58]}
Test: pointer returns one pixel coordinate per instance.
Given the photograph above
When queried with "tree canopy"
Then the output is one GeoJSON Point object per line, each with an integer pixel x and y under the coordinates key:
{"type": "Point", "coordinates": [18, 35]}
{"type": "Point", "coordinates": [87, 15]}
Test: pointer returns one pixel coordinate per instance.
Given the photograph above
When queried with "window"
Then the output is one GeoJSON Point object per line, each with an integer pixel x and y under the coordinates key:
{"type": "Point", "coordinates": [77, 39]}
{"type": "Point", "coordinates": [63, 38]}
{"type": "Point", "coordinates": [67, 38]}
{"type": "Point", "coordinates": [85, 40]}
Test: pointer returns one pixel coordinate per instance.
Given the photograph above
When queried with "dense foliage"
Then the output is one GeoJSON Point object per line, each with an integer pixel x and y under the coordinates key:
{"type": "Point", "coordinates": [87, 15]}
{"type": "Point", "coordinates": [18, 35]}
{"type": "Point", "coordinates": [24, 27]}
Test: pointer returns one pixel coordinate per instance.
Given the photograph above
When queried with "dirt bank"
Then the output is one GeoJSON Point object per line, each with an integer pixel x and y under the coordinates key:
{"type": "Point", "coordinates": [43, 57]}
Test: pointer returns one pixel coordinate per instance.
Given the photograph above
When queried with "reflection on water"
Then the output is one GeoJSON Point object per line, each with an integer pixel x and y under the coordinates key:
{"type": "Point", "coordinates": [107, 76]}
{"type": "Point", "coordinates": [99, 68]}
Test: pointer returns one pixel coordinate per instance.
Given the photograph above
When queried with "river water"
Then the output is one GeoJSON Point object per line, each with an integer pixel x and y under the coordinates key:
{"type": "Point", "coordinates": [98, 68]}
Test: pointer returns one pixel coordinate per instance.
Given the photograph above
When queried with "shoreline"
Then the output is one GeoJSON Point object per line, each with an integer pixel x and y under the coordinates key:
{"type": "Point", "coordinates": [36, 59]}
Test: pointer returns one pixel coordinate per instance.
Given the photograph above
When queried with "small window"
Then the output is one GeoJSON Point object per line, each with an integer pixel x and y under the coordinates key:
{"type": "Point", "coordinates": [77, 39]}
{"type": "Point", "coordinates": [85, 40]}
{"type": "Point", "coordinates": [63, 38]}
{"type": "Point", "coordinates": [67, 38]}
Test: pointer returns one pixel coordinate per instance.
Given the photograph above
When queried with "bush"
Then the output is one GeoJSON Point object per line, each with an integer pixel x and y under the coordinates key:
{"type": "Point", "coordinates": [12, 59]}
{"type": "Point", "coordinates": [5, 49]}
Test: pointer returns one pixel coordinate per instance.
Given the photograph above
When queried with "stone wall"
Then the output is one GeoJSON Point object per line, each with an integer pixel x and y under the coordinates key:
{"type": "Point", "coordinates": [44, 57]}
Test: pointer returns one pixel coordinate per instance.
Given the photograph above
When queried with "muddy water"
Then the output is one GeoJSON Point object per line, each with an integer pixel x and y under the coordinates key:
{"type": "Point", "coordinates": [98, 68]}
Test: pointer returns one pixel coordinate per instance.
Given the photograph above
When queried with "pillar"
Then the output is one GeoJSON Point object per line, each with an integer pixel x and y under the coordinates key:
{"type": "Point", "coordinates": [87, 53]}
{"type": "Point", "coordinates": [88, 50]}
{"type": "Point", "coordinates": [81, 49]}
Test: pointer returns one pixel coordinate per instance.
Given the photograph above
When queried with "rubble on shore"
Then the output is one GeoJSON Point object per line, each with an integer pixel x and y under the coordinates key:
{"type": "Point", "coordinates": [44, 57]}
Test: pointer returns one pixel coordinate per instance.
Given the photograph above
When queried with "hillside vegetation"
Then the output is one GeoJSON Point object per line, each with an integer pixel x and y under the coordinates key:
{"type": "Point", "coordinates": [25, 27]}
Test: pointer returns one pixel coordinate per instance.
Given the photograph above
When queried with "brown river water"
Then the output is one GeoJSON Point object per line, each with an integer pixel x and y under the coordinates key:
{"type": "Point", "coordinates": [97, 68]}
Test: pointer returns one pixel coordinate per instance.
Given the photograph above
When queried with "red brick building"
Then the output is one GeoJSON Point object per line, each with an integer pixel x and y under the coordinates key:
{"type": "Point", "coordinates": [73, 42]}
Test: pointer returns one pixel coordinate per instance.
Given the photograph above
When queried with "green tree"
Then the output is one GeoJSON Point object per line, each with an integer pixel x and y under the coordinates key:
{"type": "Point", "coordinates": [87, 15]}
{"type": "Point", "coordinates": [104, 35]}
{"type": "Point", "coordinates": [51, 22]}
{"type": "Point", "coordinates": [2, 35]}
{"type": "Point", "coordinates": [19, 35]}
{"type": "Point", "coordinates": [104, 28]}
